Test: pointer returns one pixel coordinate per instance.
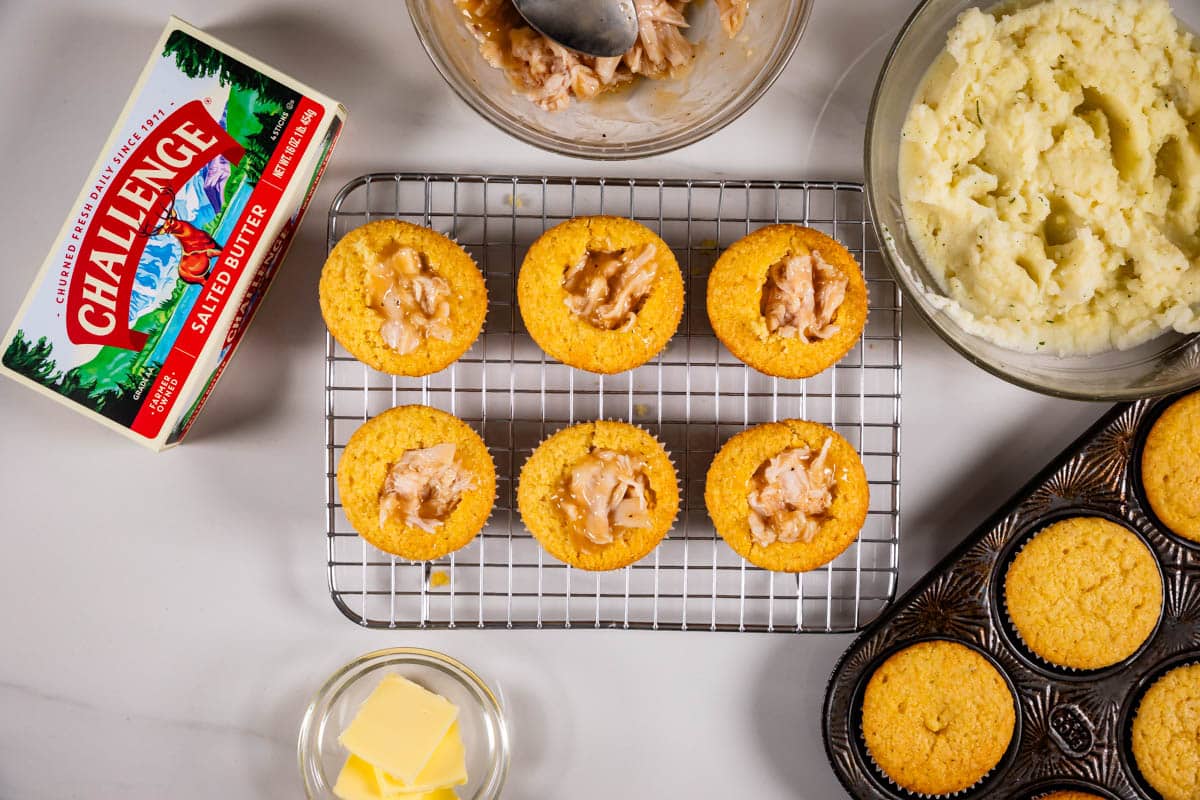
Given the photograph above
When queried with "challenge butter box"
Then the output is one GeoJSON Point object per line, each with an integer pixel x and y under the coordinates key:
{"type": "Point", "coordinates": [174, 239]}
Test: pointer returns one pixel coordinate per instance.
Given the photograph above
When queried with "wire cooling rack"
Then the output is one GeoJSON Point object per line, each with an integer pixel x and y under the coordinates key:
{"type": "Point", "coordinates": [693, 397]}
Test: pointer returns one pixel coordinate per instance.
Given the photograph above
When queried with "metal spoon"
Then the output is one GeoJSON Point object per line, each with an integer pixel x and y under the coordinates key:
{"type": "Point", "coordinates": [601, 28]}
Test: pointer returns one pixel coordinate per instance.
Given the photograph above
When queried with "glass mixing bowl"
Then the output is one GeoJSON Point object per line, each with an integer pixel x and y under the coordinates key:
{"type": "Point", "coordinates": [1168, 364]}
{"type": "Point", "coordinates": [652, 116]}
{"type": "Point", "coordinates": [480, 718]}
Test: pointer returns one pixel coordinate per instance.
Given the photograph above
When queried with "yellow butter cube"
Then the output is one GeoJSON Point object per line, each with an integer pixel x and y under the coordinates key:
{"type": "Point", "coordinates": [447, 767]}
{"type": "Point", "coordinates": [399, 727]}
{"type": "Point", "coordinates": [357, 781]}
{"type": "Point", "coordinates": [436, 794]}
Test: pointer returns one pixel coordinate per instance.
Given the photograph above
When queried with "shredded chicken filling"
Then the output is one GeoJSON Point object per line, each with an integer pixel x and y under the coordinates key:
{"type": "Point", "coordinates": [802, 296]}
{"type": "Point", "coordinates": [424, 487]}
{"type": "Point", "coordinates": [790, 495]}
{"type": "Point", "coordinates": [551, 75]}
{"type": "Point", "coordinates": [609, 289]}
{"type": "Point", "coordinates": [733, 15]}
{"type": "Point", "coordinates": [605, 491]}
{"type": "Point", "coordinates": [413, 300]}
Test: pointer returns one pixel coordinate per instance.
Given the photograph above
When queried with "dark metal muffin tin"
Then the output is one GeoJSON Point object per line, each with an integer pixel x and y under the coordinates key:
{"type": "Point", "coordinates": [1072, 725]}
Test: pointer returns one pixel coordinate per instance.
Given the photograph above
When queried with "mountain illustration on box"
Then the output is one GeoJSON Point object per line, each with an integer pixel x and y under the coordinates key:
{"type": "Point", "coordinates": [205, 210]}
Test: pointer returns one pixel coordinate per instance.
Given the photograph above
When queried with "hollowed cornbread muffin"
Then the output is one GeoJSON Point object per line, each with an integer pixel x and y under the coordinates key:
{"type": "Point", "coordinates": [602, 294]}
{"type": "Point", "coordinates": [1171, 467]}
{"type": "Point", "coordinates": [1084, 593]}
{"type": "Point", "coordinates": [787, 496]}
{"type": "Point", "coordinates": [1166, 734]}
{"type": "Point", "coordinates": [788, 301]}
{"type": "Point", "coordinates": [401, 298]}
{"type": "Point", "coordinates": [599, 495]}
{"type": "Point", "coordinates": [937, 717]}
{"type": "Point", "coordinates": [416, 482]}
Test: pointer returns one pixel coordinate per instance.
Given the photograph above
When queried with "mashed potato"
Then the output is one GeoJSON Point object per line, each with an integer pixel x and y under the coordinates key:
{"type": "Point", "coordinates": [1050, 174]}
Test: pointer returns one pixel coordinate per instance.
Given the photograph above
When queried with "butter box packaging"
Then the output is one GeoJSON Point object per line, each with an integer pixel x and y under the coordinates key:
{"type": "Point", "coordinates": [174, 239]}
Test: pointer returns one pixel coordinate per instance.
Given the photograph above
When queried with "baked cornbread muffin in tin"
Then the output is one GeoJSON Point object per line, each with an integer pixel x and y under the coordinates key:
{"type": "Point", "coordinates": [937, 717]}
{"type": "Point", "coordinates": [416, 482]}
{"type": "Point", "coordinates": [787, 300]}
{"type": "Point", "coordinates": [402, 298]}
{"type": "Point", "coordinates": [599, 495]}
{"type": "Point", "coordinates": [1171, 467]}
{"type": "Point", "coordinates": [787, 496]}
{"type": "Point", "coordinates": [602, 294]}
{"type": "Point", "coordinates": [1166, 744]}
{"type": "Point", "coordinates": [1084, 593]}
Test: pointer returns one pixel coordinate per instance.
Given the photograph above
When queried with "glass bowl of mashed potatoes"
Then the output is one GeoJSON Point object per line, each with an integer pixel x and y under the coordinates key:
{"type": "Point", "coordinates": [697, 66]}
{"type": "Point", "coordinates": [1033, 169]}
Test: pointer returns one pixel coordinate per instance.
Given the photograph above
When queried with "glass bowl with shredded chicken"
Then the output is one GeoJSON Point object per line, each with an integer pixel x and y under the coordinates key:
{"type": "Point", "coordinates": [697, 66]}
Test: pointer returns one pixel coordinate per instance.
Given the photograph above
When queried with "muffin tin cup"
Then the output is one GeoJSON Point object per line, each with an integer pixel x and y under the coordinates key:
{"type": "Point", "coordinates": [1129, 711]}
{"type": "Point", "coordinates": [882, 779]}
{"type": "Point", "coordinates": [1043, 790]}
{"type": "Point", "coordinates": [1008, 628]}
{"type": "Point", "coordinates": [1139, 489]}
{"type": "Point", "coordinates": [1072, 727]}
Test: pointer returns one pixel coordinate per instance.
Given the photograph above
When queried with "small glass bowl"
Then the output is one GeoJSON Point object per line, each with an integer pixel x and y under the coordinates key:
{"type": "Point", "coordinates": [648, 118]}
{"type": "Point", "coordinates": [480, 718]}
{"type": "Point", "coordinates": [1168, 364]}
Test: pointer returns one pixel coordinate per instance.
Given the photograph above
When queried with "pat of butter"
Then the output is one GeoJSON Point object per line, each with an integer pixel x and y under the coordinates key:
{"type": "Point", "coordinates": [357, 781]}
{"type": "Point", "coordinates": [399, 727]}
{"type": "Point", "coordinates": [447, 767]}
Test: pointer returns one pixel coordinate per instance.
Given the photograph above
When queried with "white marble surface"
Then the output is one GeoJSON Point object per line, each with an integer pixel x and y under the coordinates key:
{"type": "Point", "coordinates": [164, 618]}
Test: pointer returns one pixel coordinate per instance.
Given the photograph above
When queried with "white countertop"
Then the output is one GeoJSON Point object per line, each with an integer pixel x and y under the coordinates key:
{"type": "Point", "coordinates": [165, 618]}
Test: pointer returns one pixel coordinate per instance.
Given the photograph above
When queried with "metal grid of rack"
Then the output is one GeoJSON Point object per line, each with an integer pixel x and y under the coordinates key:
{"type": "Point", "coordinates": [693, 397]}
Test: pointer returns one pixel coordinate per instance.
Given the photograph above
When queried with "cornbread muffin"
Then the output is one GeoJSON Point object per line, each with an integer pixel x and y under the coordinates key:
{"type": "Point", "coordinates": [787, 496]}
{"type": "Point", "coordinates": [603, 294]}
{"type": "Point", "coordinates": [1084, 593]}
{"type": "Point", "coordinates": [787, 300]}
{"type": "Point", "coordinates": [599, 495]}
{"type": "Point", "coordinates": [937, 717]}
{"type": "Point", "coordinates": [1171, 467]}
{"type": "Point", "coordinates": [416, 482]}
{"type": "Point", "coordinates": [401, 298]}
{"type": "Point", "coordinates": [1166, 734]}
